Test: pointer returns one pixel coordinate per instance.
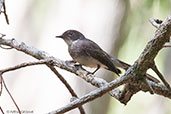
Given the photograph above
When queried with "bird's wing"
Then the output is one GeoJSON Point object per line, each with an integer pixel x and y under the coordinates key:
{"type": "Point", "coordinates": [93, 50]}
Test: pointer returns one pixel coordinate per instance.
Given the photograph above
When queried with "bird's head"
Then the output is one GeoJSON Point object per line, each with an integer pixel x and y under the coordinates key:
{"type": "Point", "coordinates": [70, 36]}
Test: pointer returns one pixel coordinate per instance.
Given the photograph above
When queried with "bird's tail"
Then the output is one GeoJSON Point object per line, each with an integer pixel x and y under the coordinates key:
{"type": "Point", "coordinates": [119, 63]}
{"type": "Point", "coordinates": [125, 66]}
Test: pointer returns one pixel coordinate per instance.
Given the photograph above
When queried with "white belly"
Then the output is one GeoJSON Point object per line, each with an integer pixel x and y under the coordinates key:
{"type": "Point", "coordinates": [89, 62]}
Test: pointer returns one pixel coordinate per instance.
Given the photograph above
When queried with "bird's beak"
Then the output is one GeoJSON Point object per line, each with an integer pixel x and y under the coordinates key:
{"type": "Point", "coordinates": [59, 36]}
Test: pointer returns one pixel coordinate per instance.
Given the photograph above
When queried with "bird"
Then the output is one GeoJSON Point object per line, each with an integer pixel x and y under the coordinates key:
{"type": "Point", "coordinates": [86, 52]}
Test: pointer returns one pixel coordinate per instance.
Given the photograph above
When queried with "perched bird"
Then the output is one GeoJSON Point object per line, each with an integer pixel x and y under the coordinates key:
{"type": "Point", "coordinates": [87, 52]}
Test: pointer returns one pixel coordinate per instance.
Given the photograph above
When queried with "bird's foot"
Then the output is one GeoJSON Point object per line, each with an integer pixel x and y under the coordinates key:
{"type": "Point", "coordinates": [92, 73]}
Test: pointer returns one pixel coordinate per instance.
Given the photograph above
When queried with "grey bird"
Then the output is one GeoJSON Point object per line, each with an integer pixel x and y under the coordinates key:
{"type": "Point", "coordinates": [87, 52]}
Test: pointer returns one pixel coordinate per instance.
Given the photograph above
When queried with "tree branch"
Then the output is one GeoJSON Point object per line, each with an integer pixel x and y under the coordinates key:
{"type": "Point", "coordinates": [143, 63]}
{"type": "Point", "coordinates": [1, 110]}
{"type": "Point", "coordinates": [38, 54]}
{"type": "Point", "coordinates": [155, 22]}
{"type": "Point", "coordinates": [47, 62]}
{"type": "Point", "coordinates": [5, 13]}
{"type": "Point", "coordinates": [155, 69]}
{"type": "Point", "coordinates": [22, 65]}
{"type": "Point", "coordinates": [74, 95]}
{"type": "Point", "coordinates": [104, 89]}
{"type": "Point", "coordinates": [94, 94]}
{"type": "Point", "coordinates": [3, 82]}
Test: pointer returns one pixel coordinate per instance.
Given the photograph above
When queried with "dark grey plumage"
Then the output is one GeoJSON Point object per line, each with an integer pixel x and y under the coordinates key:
{"type": "Point", "coordinates": [87, 52]}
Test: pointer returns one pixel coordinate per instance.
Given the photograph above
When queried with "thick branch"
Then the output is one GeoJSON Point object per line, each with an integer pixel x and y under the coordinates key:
{"type": "Point", "coordinates": [158, 88]}
{"type": "Point", "coordinates": [161, 36]}
{"type": "Point", "coordinates": [94, 94]}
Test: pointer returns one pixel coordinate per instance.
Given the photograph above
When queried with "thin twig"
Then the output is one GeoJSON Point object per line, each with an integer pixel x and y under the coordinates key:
{"type": "Point", "coordinates": [2, 35]}
{"type": "Point", "coordinates": [5, 13]}
{"type": "Point", "coordinates": [10, 95]}
{"type": "Point", "coordinates": [2, 110]}
{"type": "Point", "coordinates": [155, 22]}
{"type": "Point", "coordinates": [1, 84]}
{"type": "Point", "coordinates": [67, 86]}
{"type": "Point", "coordinates": [22, 65]}
{"type": "Point", "coordinates": [155, 69]}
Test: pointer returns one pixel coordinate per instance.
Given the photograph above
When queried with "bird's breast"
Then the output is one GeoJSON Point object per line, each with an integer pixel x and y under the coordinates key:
{"type": "Point", "coordinates": [78, 53]}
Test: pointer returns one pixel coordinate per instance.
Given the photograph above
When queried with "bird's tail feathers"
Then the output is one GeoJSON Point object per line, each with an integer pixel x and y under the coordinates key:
{"type": "Point", "coordinates": [125, 66]}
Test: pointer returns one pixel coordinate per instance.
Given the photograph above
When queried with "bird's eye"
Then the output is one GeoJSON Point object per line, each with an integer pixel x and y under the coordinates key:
{"type": "Point", "coordinates": [70, 34]}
